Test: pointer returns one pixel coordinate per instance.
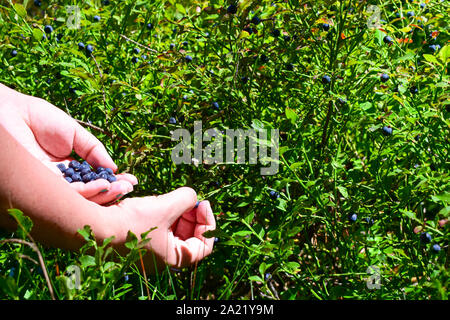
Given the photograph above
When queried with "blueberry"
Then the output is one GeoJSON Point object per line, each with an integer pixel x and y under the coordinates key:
{"type": "Point", "coordinates": [99, 170]}
{"type": "Point", "coordinates": [74, 164]}
{"type": "Point", "coordinates": [61, 167]}
{"type": "Point", "coordinates": [410, 14]}
{"type": "Point", "coordinates": [37, 3]}
{"type": "Point", "coordinates": [103, 175]}
{"type": "Point", "coordinates": [387, 39]}
{"type": "Point", "coordinates": [368, 220]}
{"type": "Point", "coordinates": [325, 26]}
{"type": "Point", "coordinates": [105, 2]}
{"type": "Point", "coordinates": [97, 18]}
{"type": "Point", "coordinates": [342, 101]}
{"type": "Point", "coordinates": [69, 172]}
{"type": "Point", "coordinates": [232, 9]}
{"type": "Point", "coordinates": [94, 176]}
{"type": "Point", "coordinates": [384, 77]}
{"type": "Point", "coordinates": [172, 46]}
{"type": "Point", "coordinates": [144, 57]}
{"type": "Point", "coordinates": [13, 53]}
{"type": "Point", "coordinates": [89, 49]}
{"type": "Point", "coordinates": [87, 177]}
{"type": "Point", "coordinates": [413, 90]}
{"type": "Point", "coordinates": [215, 105]}
{"type": "Point", "coordinates": [256, 20]}
{"type": "Point", "coordinates": [81, 46]}
{"type": "Point", "coordinates": [76, 177]}
{"type": "Point", "coordinates": [85, 171]}
{"type": "Point", "coordinates": [48, 29]}
{"type": "Point", "coordinates": [149, 26]}
{"type": "Point", "coordinates": [264, 58]}
{"type": "Point", "coordinates": [353, 217]}
{"type": "Point", "coordinates": [188, 58]}
{"type": "Point", "coordinates": [274, 195]}
{"type": "Point", "coordinates": [68, 179]}
{"type": "Point", "coordinates": [276, 33]}
{"type": "Point", "coordinates": [185, 43]}
{"type": "Point", "coordinates": [136, 50]}
{"type": "Point", "coordinates": [425, 237]}
{"type": "Point", "coordinates": [326, 79]}
{"type": "Point", "coordinates": [244, 79]}
{"type": "Point", "coordinates": [172, 120]}
{"type": "Point", "coordinates": [111, 178]}
{"type": "Point", "coordinates": [422, 5]}
{"type": "Point", "coordinates": [387, 131]}
{"type": "Point", "coordinates": [436, 247]}
{"type": "Point", "coordinates": [248, 29]}
{"type": "Point", "coordinates": [59, 36]}
{"type": "Point", "coordinates": [134, 59]}
{"type": "Point", "coordinates": [109, 171]}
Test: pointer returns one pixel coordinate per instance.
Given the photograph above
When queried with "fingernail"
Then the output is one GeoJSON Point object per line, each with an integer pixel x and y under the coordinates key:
{"type": "Point", "coordinates": [196, 205]}
{"type": "Point", "coordinates": [119, 196]}
{"type": "Point", "coordinates": [104, 190]}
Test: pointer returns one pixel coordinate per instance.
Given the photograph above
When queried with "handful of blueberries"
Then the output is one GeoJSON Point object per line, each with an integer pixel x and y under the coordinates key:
{"type": "Point", "coordinates": [82, 172]}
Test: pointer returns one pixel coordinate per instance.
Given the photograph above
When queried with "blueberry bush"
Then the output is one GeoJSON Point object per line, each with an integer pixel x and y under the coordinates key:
{"type": "Point", "coordinates": [357, 89]}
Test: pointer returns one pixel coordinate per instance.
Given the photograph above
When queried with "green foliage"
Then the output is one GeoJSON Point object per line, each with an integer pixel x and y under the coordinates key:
{"type": "Point", "coordinates": [334, 159]}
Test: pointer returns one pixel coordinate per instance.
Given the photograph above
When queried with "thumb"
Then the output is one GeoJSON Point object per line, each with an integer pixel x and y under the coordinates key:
{"type": "Point", "coordinates": [177, 202]}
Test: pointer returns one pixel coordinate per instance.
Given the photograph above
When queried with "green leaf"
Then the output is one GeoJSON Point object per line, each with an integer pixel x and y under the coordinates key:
{"type": "Point", "coordinates": [291, 115]}
{"type": "Point", "coordinates": [24, 223]}
{"type": "Point", "coordinates": [255, 278]}
{"type": "Point", "coordinates": [441, 197]}
{"type": "Point", "coordinates": [86, 233]}
{"type": "Point", "coordinates": [343, 191]}
{"type": "Point", "coordinates": [132, 240]}
{"type": "Point", "coordinates": [444, 53]}
{"type": "Point", "coordinates": [20, 10]}
{"type": "Point", "coordinates": [87, 261]}
{"type": "Point", "coordinates": [216, 233]}
{"type": "Point", "coordinates": [37, 34]}
{"type": "Point", "coordinates": [432, 59]}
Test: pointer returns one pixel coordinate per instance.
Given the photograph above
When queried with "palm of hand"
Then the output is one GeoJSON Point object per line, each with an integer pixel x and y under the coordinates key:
{"type": "Point", "coordinates": [51, 135]}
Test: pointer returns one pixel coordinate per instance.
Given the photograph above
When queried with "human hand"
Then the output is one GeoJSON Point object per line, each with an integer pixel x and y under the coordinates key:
{"type": "Point", "coordinates": [178, 238]}
{"type": "Point", "coordinates": [51, 135]}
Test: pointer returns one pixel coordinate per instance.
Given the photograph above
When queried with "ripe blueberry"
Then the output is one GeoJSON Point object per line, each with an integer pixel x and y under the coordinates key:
{"type": "Point", "coordinates": [353, 217]}
{"type": "Point", "coordinates": [413, 90]}
{"type": "Point", "coordinates": [68, 179]}
{"type": "Point", "coordinates": [232, 9]}
{"type": "Point", "coordinates": [326, 79]}
{"type": "Point", "coordinates": [274, 195]}
{"type": "Point", "coordinates": [387, 39]}
{"type": "Point", "coordinates": [69, 172]}
{"type": "Point", "coordinates": [103, 175]}
{"type": "Point", "coordinates": [215, 105]}
{"type": "Point", "coordinates": [48, 29]}
{"type": "Point", "coordinates": [81, 46]}
{"type": "Point", "coordinates": [37, 3]}
{"type": "Point", "coordinates": [410, 14]}
{"type": "Point", "coordinates": [436, 247]}
{"type": "Point", "coordinates": [109, 171]}
{"type": "Point", "coordinates": [387, 131]}
{"type": "Point", "coordinates": [425, 237]}
{"type": "Point", "coordinates": [136, 50]}
{"type": "Point", "coordinates": [172, 120]}
{"type": "Point", "coordinates": [149, 26]}
{"type": "Point", "coordinates": [325, 26]}
{"type": "Point", "coordinates": [111, 178]}
{"type": "Point", "coordinates": [13, 53]}
{"type": "Point", "coordinates": [188, 58]}
{"type": "Point", "coordinates": [89, 49]}
{"type": "Point", "coordinates": [100, 169]}
{"type": "Point", "coordinates": [61, 167]}
{"type": "Point", "coordinates": [244, 79]}
{"type": "Point", "coordinates": [97, 18]}
{"type": "Point", "coordinates": [134, 59]}
{"type": "Point", "coordinates": [384, 77]}
{"type": "Point", "coordinates": [256, 20]}
{"type": "Point", "coordinates": [74, 164]}
{"type": "Point", "coordinates": [76, 177]}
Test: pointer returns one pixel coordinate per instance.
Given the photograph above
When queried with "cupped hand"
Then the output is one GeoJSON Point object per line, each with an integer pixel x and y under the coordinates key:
{"type": "Point", "coordinates": [180, 223]}
{"type": "Point", "coordinates": [51, 135]}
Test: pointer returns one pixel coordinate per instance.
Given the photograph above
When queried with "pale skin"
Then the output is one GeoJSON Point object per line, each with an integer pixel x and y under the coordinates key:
{"type": "Point", "coordinates": [59, 209]}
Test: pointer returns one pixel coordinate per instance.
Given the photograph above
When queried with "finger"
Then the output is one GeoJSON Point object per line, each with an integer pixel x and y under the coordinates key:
{"type": "Point", "coordinates": [127, 177]}
{"type": "Point", "coordinates": [117, 190]}
{"type": "Point", "coordinates": [177, 202]}
{"type": "Point", "coordinates": [91, 149]}
{"type": "Point", "coordinates": [92, 188]}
